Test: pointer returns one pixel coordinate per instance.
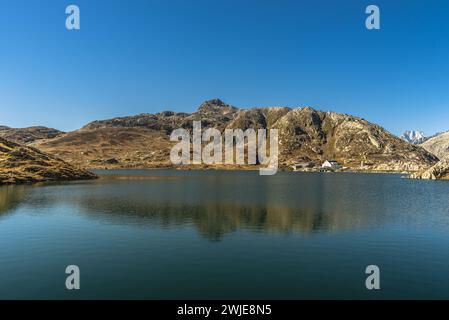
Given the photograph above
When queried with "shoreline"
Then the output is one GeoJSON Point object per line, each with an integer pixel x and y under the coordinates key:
{"type": "Point", "coordinates": [103, 174]}
{"type": "Point", "coordinates": [243, 168]}
{"type": "Point", "coordinates": [97, 175]}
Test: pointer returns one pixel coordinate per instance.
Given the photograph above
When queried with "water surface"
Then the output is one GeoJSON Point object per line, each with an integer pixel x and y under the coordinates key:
{"type": "Point", "coordinates": [161, 234]}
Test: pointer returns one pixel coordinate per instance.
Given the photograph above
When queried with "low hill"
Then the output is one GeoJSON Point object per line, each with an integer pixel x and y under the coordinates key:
{"type": "Point", "coordinates": [28, 135]}
{"type": "Point", "coordinates": [111, 147]}
{"type": "Point", "coordinates": [24, 164]}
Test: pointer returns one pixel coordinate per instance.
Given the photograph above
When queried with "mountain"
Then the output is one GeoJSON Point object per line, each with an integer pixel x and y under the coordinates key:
{"type": "Point", "coordinates": [24, 164]}
{"type": "Point", "coordinates": [414, 137]}
{"type": "Point", "coordinates": [350, 140]}
{"type": "Point", "coordinates": [305, 134]}
{"type": "Point", "coordinates": [438, 145]}
{"type": "Point", "coordinates": [28, 135]}
{"type": "Point", "coordinates": [134, 141]}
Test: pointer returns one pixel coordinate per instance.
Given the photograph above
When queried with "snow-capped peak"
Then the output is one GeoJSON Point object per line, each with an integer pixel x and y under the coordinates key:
{"type": "Point", "coordinates": [415, 137]}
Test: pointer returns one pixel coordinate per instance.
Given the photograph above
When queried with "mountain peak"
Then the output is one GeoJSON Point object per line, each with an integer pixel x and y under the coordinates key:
{"type": "Point", "coordinates": [414, 136]}
{"type": "Point", "coordinates": [215, 105]}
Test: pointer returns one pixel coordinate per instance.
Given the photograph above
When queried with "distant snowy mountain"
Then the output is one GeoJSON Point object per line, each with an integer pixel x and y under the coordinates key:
{"type": "Point", "coordinates": [414, 137]}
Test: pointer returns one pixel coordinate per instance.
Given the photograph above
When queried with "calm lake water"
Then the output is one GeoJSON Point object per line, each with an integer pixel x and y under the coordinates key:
{"type": "Point", "coordinates": [161, 234]}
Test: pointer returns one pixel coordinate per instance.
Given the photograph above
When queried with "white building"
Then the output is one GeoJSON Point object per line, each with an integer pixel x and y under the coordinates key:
{"type": "Point", "coordinates": [331, 164]}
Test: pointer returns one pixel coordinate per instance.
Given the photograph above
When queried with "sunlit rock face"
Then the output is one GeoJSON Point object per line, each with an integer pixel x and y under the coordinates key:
{"type": "Point", "coordinates": [438, 145]}
{"type": "Point", "coordinates": [439, 171]}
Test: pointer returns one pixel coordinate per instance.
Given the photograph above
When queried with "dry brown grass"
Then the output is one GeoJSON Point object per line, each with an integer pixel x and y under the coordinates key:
{"type": "Point", "coordinates": [110, 148]}
{"type": "Point", "coordinates": [23, 164]}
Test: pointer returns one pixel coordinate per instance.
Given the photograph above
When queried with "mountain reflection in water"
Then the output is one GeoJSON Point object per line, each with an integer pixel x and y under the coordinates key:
{"type": "Point", "coordinates": [167, 234]}
{"type": "Point", "coordinates": [217, 203]}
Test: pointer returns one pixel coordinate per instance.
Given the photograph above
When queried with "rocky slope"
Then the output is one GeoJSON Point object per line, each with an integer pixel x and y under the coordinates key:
{"type": "Point", "coordinates": [24, 164]}
{"type": "Point", "coordinates": [439, 171]}
{"type": "Point", "coordinates": [305, 134]}
{"type": "Point", "coordinates": [354, 142]}
{"type": "Point", "coordinates": [213, 113]}
{"type": "Point", "coordinates": [438, 145]}
{"type": "Point", "coordinates": [28, 135]}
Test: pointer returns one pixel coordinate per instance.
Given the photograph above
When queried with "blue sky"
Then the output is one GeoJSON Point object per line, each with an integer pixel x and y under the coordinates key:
{"type": "Point", "coordinates": [140, 56]}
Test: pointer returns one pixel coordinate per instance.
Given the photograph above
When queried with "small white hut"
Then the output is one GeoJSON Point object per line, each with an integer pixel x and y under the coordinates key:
{"type": "Point", "coordinates": [331, 164]}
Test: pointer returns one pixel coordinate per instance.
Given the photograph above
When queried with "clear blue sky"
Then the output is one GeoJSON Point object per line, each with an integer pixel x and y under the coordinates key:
{"type": "Point", "coordinates": [147, 56]}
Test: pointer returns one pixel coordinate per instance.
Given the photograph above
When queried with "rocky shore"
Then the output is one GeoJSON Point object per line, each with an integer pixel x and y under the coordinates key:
{"type": "Point", "coordinates": [439, 171]}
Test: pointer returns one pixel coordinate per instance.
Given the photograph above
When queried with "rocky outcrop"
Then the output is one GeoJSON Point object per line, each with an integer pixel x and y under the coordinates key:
{"type": "Point", "coordinates": [163, 121]}
{"type": "Point", "coordinates": [24, 164]}
{"type": "Point", "coordinates": [213, 113]}
{"type": "Point", "coordinates": [439, 146]}
{"type": "Point", "coordinates": [257, 118]}
{"type": "Point", "coordinates": [305, 134]}
{"type": "Point", "coordinates": [28, 135]}
{"type": "Point", "coordinates": [439, 171]}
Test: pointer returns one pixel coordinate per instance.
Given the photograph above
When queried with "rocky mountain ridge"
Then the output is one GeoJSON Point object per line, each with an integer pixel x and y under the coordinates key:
{"type": "Point", "coordinates": [305, 134]}
{"type": "Point", "coordinates": [28, 135]}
